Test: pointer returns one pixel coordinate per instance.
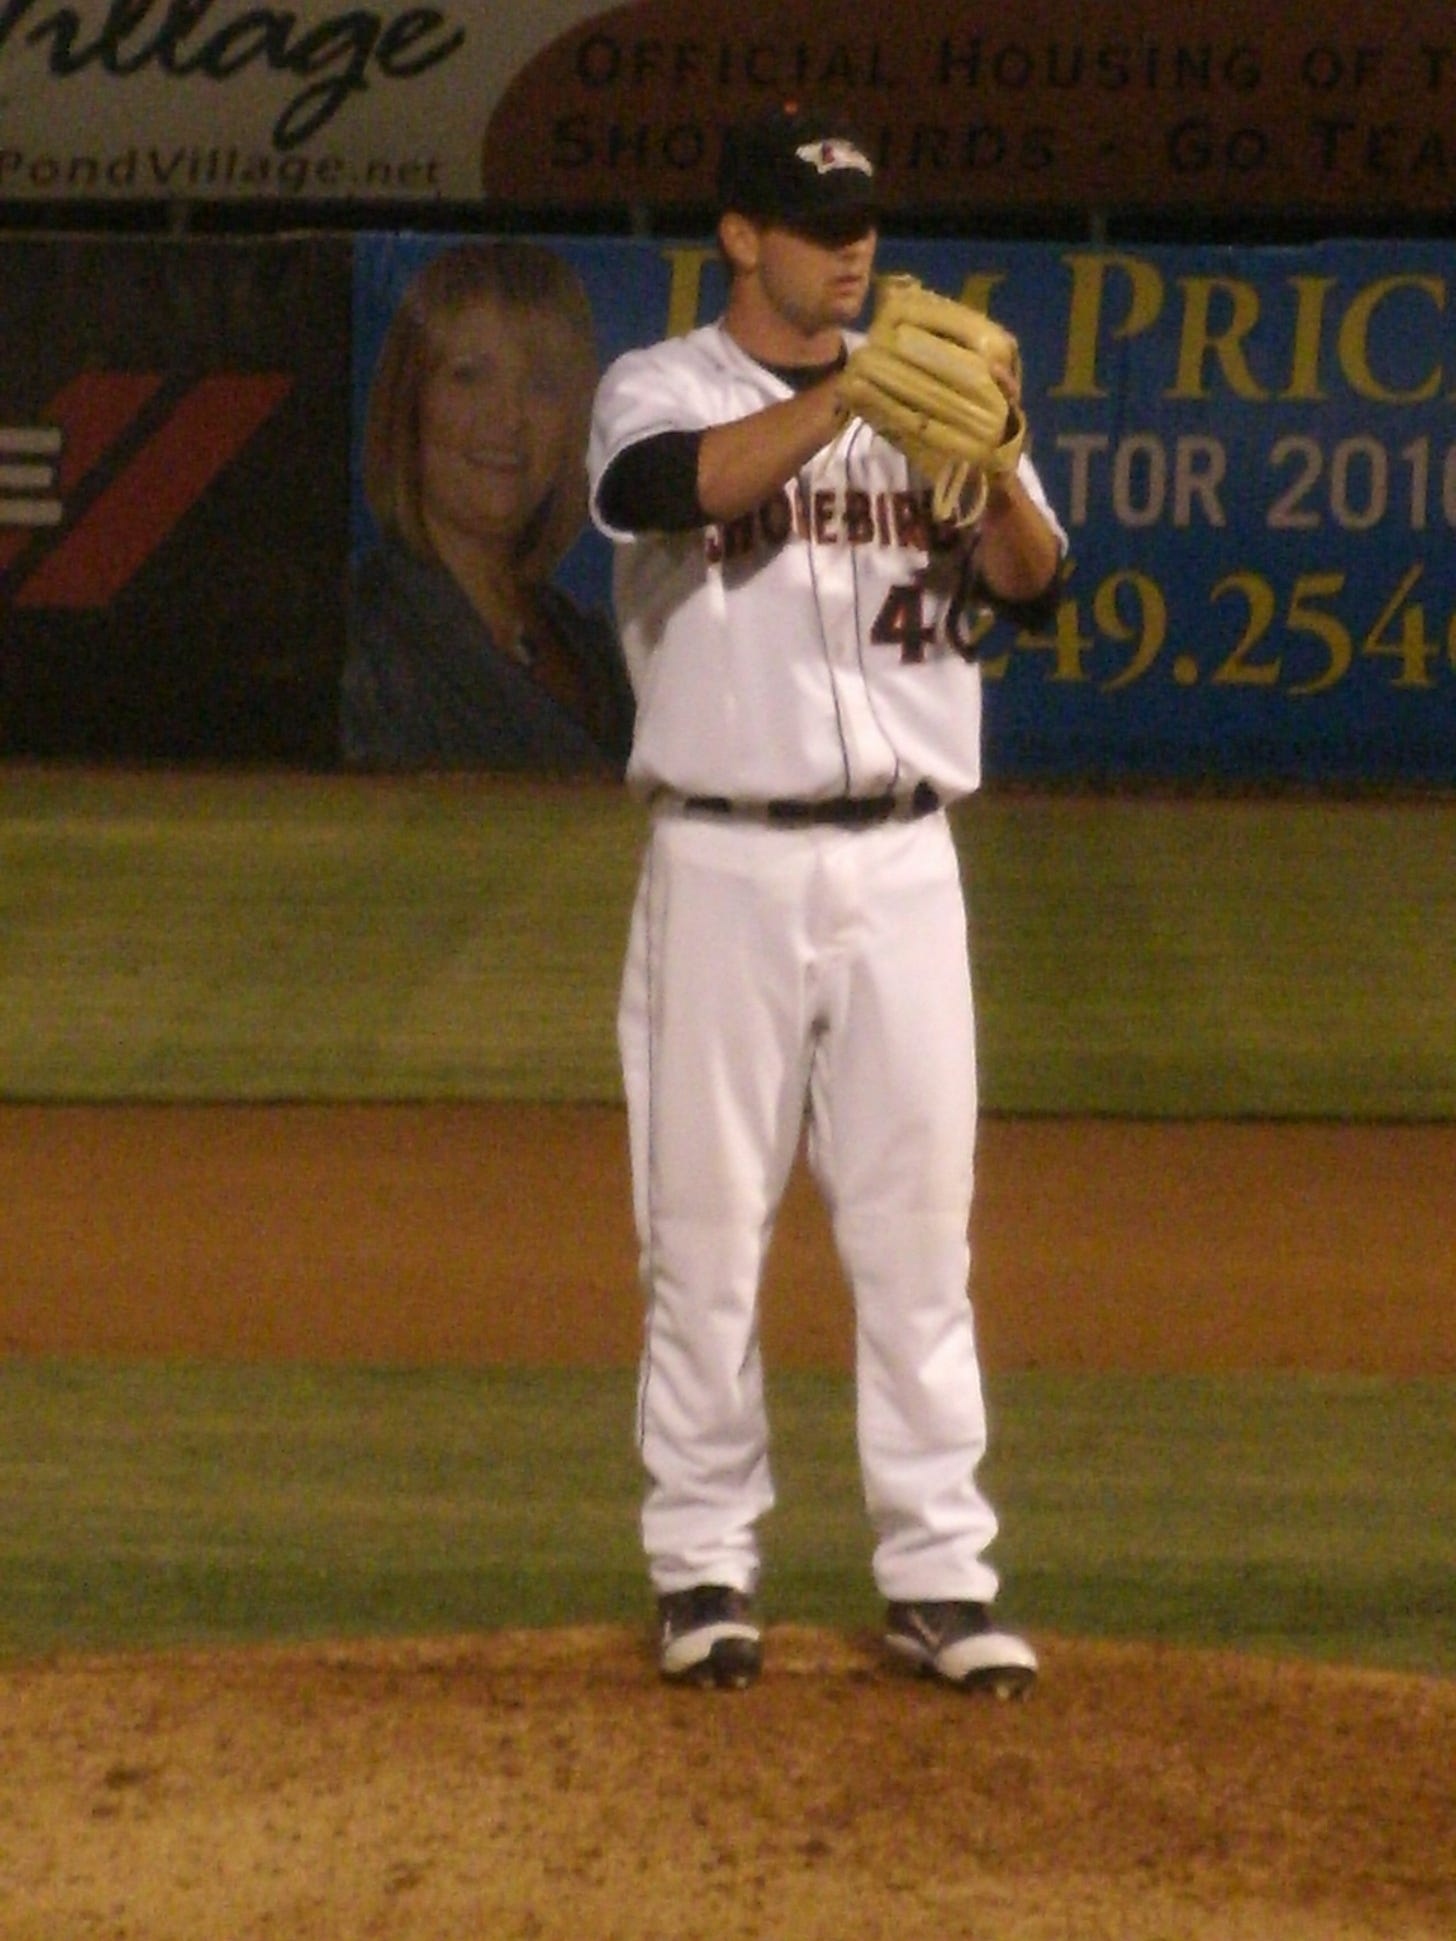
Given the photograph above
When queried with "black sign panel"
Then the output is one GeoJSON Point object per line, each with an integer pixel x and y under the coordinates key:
{"type": "Point", "coordinates": [174, 436]}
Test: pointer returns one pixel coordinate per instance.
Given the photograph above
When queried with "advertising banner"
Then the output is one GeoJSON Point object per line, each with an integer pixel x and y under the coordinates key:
{"type": "Point", "coordinates": [1253, 453]}
{"type": "Point", "coordinates": [569, 105]}
{"type": "Point", "coordinates": [174, 423]}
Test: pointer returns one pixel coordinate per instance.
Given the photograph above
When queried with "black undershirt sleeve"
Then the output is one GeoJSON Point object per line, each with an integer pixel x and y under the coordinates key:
{"type": "Point", "coordinates": [652, 486]}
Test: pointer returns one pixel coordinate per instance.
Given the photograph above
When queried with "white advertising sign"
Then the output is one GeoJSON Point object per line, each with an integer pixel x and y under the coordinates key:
{"type": "Point", "coordinates": [563, 104]}
{"type": "Point", "coordinates": [213, 100]}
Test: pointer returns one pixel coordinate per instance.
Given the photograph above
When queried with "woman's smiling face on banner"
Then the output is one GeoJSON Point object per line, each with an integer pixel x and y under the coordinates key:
{"type": "Point", "coordinates": [495, 415]}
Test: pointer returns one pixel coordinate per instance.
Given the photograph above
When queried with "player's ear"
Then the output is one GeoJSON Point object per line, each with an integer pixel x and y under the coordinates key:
{"type": "Point", "coordinates": [738, 239]}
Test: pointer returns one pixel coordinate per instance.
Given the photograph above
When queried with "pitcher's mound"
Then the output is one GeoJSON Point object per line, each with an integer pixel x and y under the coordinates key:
{"type": "Point", "coordinates": [547, 1784]}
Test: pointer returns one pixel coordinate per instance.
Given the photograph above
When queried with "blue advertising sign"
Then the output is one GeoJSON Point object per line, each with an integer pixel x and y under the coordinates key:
{"type": "Point", "coordinates": [1253, 451]}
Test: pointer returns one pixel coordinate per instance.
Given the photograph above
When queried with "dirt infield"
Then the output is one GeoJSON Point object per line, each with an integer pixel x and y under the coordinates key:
{"type": "Point", "coordinates": [487, 1233]}
{"type": "Point", "coordinates": [534, 1786]}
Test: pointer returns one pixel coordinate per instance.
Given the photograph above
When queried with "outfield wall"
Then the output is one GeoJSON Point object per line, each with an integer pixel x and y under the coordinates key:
{"type": "Point", "coordinates": [1253, 451]}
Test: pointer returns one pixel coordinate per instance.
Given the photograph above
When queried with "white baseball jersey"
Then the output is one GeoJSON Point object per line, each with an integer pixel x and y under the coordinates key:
{"type": "Point", "coordinates": [818, 647]}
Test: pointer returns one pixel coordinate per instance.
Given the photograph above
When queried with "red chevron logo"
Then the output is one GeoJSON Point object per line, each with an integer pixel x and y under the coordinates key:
{"type": "Point", "coordinates": [47, 465]}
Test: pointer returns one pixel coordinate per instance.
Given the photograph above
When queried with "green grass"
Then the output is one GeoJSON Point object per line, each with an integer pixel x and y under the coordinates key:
{"type": "Point", "coordinates": [1216, 957]}
{"type": "Point", "coordinates": [272, 936]}
{"type": "Point", "coordinates": [248, 937]}
{"type": "Point", "coordinates": [1280, 1513]}
{"type": "Point", "coordinates": [157, 1504]}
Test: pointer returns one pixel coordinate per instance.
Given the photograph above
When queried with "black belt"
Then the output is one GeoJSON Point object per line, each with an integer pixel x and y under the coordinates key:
{"type": "Point", "coordinates": [838, 812]}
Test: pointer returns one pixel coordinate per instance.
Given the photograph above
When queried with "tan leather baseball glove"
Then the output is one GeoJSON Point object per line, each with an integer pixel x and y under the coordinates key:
{"type": "Point", "coordinates": [942, 382]}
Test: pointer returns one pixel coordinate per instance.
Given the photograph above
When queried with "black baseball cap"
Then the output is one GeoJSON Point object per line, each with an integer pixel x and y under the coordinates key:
{"type": "Point", "coordinates": [798, 171]}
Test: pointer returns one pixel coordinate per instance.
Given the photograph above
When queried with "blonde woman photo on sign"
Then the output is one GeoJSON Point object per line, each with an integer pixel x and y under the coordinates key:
{"type": "Point", "coordinates": [461, 652]}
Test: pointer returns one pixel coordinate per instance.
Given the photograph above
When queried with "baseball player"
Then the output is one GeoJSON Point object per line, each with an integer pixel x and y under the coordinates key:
{"type": "Point", "coordinates": [794, 616]}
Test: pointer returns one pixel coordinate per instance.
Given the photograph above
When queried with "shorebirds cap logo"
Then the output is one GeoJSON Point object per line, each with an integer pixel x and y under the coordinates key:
{"type": "Point", "coordinates": [826, 156]}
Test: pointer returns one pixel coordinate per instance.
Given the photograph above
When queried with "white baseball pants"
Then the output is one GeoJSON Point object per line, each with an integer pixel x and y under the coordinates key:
{"type": "Point", "coordinates": [771, 972]}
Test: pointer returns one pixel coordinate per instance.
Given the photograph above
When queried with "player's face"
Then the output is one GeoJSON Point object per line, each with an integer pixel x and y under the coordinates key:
{"type": "Point", "coordinates": [815, 283]}
{"type": "Point", "coordinates": [495, 416]}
